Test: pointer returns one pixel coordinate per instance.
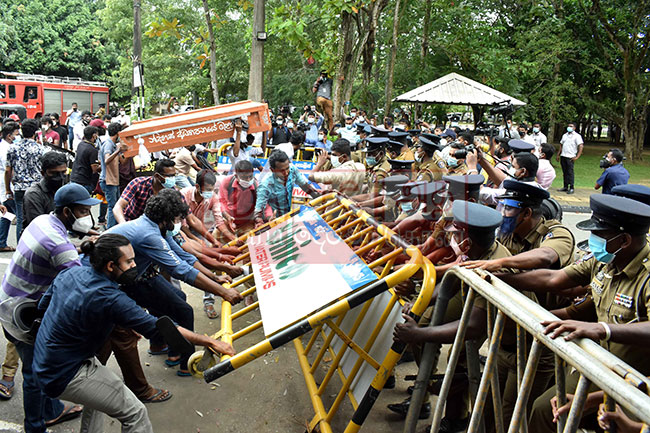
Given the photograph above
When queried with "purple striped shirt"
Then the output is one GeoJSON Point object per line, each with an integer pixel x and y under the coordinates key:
{"type": "Point", "coordinates": [44, 250]}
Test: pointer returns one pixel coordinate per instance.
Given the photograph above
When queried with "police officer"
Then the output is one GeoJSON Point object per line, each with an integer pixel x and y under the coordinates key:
{"type": "Point", "coordinates": [418, 219]}
{"type": "Point", "coordinates": [635, 192]}
{"type": "Point", "coordinates": [404, 153]}
{"type": "Point", "coordinates": [430, 166]}
{"type": "Point", "coordinates": [473, 234]}
{"type": "Point", "coordinates": [619, 276]}
{"type": "Point", "coordinates": [377, 166]}
{"type": "Point", "coordinates": [402, 167]}
{"type": "Point", "coordinates": [518, 145]}
{"type": "Point", "coordinates": [384, 205]}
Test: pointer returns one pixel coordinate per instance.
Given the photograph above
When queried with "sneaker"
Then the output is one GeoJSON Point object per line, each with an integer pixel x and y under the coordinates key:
{"type": "Point", "coordinates": [402, 409]}
{"type": "Point", "coordinates": [390, 382]}
{"type": "Point", "coordinates": [570, 191]}
{"type": "Point", "coordinates": [565, 189]}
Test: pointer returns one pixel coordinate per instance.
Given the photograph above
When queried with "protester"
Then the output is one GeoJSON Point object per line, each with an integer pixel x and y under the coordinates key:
{"type": "Point", "coordinates": [10, 133]}
{"type": "Point", "coordinates": [47, 134]}
{"type": "Point", "coordinates": [184, 164]}
{"type": "Point", "coordinates": [86, 167]}
{"type": "Point", "coordinates": [39, 198]}
{"type": "Point", "coordinates": [571, 146]}
{"type": "Point", "coordinates": [279, 132]}
{"type": "Point", "coordinates": [111, 153]}
{"type": "Point", "coordinates": [79, 127]}
{"type": "Point", "coordinates": [244, 151]}
{"type": "Point", "coordinates": [349, 132]}
{"type": "Point", "coordinates": [346, 176]}
{"type": "Point", "coordinates": [615, 174]}
{"type": "Point", "coordinates": [23, 168]}
{"type": "Point", "coordinates": [122, 118]}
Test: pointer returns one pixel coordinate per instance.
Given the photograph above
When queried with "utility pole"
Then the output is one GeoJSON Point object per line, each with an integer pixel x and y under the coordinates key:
{"type": "Point", "coordinates": [137, 61]}
{"type": "Point", "coordinates": [256, 74]}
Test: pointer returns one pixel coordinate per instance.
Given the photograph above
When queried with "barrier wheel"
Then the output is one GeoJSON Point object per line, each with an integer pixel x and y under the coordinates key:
{"type": "Point", "coordinates": [193, 364]}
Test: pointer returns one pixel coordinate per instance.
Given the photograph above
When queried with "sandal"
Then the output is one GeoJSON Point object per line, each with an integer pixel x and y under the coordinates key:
{"type": "Point", "coordinates": [183, 373]}
{"type": "Point", "coordinates": [69, 412]}
{"type": "Point", "coordinates": [7, 249]}
{"type": "Point", "coordinates": [172, 362]}
{"type": "Point", "coordinates": [163, 351]}
{"type": "Point", "coordinates": [6, 389]}
{"type": "Point", "coordinates": [210, 311]}
{"type": "Point", "coordinates": [158, 397]}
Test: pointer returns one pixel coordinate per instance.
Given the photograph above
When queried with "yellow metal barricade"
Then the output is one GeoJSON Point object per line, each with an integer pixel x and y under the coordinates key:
{"type": "Point", "coordinates": [334, 334]}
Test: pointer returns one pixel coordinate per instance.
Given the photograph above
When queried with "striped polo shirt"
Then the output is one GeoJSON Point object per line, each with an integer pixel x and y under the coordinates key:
{"type": "Point", "coordinates": [44, 250]}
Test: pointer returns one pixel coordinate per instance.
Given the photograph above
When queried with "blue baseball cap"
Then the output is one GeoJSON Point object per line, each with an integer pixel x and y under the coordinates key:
{"type": "Point", "coordinates": [73, 193]}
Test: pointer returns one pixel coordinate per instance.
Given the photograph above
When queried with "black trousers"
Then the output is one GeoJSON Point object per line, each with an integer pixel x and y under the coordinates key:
{"type": "Point", "coordinates": [567, 171]}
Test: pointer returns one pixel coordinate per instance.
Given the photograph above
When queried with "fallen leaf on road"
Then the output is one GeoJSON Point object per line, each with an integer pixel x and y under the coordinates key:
{"type": "Point", "coordinates": [198, 413]}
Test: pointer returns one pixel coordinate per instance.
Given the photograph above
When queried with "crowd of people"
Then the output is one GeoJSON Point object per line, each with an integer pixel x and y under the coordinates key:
{"type": "Point", "coordinates": [479, 201]}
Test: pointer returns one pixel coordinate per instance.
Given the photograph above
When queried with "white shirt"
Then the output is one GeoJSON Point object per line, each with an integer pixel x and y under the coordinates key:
{"type": "Point", "coordinates": [349, 134]}
{"type": "Point", "coordinates": [545, 173]}
{"type": "Point", "coordinates": [122, 119]}
{"type": "Point", "coordinates": [538, 138]}
{"type": "Point", "coordinates": [78, 132]}
{"type": "Point", "coordinates": [570, 142]}
{"type": "Point", "coordinates": [4, 147]}
{"type": "Point", "coordinates": [244, 155]}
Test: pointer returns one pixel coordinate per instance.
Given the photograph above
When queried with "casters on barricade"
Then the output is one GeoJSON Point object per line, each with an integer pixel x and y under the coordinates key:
{"type": "Point", "coordinates": [201, 361]}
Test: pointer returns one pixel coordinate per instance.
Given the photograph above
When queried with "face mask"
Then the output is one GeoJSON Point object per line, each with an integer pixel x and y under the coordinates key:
{"type": "Point", "coordinates": [244, 183]}
{"type": "Point", "coordinates": [508, 225]}
{"type": "Point", "coordinates": [310, 120]}
{"type": "Point", "coordinates": [176, 230]}
{"type": "Point", "coordinates": [598, 247]}
{"type": "Point", "coordinates": [207, 194]}
{"type": "Point", "coordinates": [522, 133]}
{"type": "Point", "coordinates": [407, 207]}
{"type": "Point", "coordinates": [44, 128]}
{"type": "Point", "coordinates": [455, 247]}
{"type": "Point", "coordinates": [169, 182]}
{"type": "Point", "coordinates": [176, 107]}
{"type": "Point", "coordinates": [336, 161]}
{"type": "Point", "coordinates": [349, 126]}
{"type": "Point", "coordinates": [360, 119]}
{"type": "Point", "coordinates": [85, 121]}
{"type": "Point", "coordinates": [279, 122]}
{"type": "Point", "coordinates": [452, 162]}
{"type": "Point", "coordinates": [54, 182]}
{"type": "Point", "coordinates": [418, 157]}
{"type": "Point", "coordinates": [321, 137]}
{"type": "Point", "coordinates": [82, 225]}
{"type": "Point", "coordinates": [127, 277]}
{"type": "Point", "coordinates": [512, 171]}
{"type": "Point", "coordinates": [443, 142]}
{"type": "Point", "coordinates": [535, 130]}
{"type": "Point", "coordinates": [371, 161]}
{"type": "Point", "coordinates": [122, 113]}
{"type": "Point", "coordinates": [290, 125]}
{"type": "Point", "coordinates": [569, 129]}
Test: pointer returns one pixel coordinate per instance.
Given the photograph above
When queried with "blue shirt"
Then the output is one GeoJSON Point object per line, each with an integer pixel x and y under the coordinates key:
{"type": "Point", "coordinates": [107, 147]}
{"type": "Point", "coordinates": [612, 176]}
{"type": "Point", "coordinates": [311, 136]}
{"type": "Point", "coordinates": [74, 118]}
{"type": "Point", "coordinates": [277, 194]}
{"type": "Point", "coordinates": [151, 247]}
{"type": "Point", "coordinates": [327, 145]}
{"type": "Point", "coordinates": [82, 306]}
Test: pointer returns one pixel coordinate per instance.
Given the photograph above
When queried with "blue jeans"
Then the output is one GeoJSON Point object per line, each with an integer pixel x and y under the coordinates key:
{"type": "Point", "coordinates": [5, 224]}
{"type": "Point", "coordinates": [112, 194]}
{"type": "Point", "coordinates": [70, 136]}
{"type": "Point", "coordinates": [18, 199]}
{"type": "Point", "coordinates": [183, 181]}
{"type": "Point", "coordinates": [37, 406]}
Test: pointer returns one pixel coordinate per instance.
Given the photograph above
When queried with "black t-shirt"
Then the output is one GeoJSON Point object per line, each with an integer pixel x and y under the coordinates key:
{"type": "Point", "coordinates": [82, 172]}
{"type": "Point", "coordinates": [280, 135]}
{"type": "Point", "coordinates": [63, 134]}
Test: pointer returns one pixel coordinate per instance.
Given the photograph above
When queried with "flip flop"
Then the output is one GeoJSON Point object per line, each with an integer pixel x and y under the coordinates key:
{"type": "Point", "coordinates": [6, 389]}
{"type": "Point", "coordinates": [172, 363]}
{"type": "Point", "coordinates": [7, 249]}
{"type": "Point", "coordinates": [210, 311]}
{"type": "Point", "coordinates": [182, 373]}
{"type": "Point", "coordinates": [69, 412]}
{"type": "Point", "coordinates": [160, 396]}
{"type": "Point", "coordinates": [159, 352]}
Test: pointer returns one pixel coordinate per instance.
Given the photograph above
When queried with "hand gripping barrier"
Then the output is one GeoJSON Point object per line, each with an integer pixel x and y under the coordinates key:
{"type": "Point", "coordinates": [595, 365]}
{"type": "Point", "coordinates": [349, 340]}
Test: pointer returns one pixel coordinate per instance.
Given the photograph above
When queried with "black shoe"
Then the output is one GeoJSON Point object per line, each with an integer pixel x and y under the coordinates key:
{"type": "Point", "coordinates": [406, 357]}
{"type": "Point", "coordinates": [390, 382]}
{"type": "Point", "coordinates": [565, 189]}
{"type": "Point", "coordinates": [448, 425]}
{"type": "Point", "coordinates": [570, 191]}
{"type": "Point", "coordinates": [403, 409]}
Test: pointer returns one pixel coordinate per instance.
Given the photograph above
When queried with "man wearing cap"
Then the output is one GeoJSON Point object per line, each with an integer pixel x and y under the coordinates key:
{"type": "Point", "coordinates": [456, 166]}
{"type": "Point", "coordinates": [472, 234]}
{"type": "Point", "coordinates": [377, 166]}
{"type": "Point", "coordinates": [619, 276]}
{"type": "Point", "coordinates": [86, 167]}
{"type": "Point", "coordinates": [43, 251]}
{"type": "Point", "coordinates": [399, 146]}
{"type": "Point", "coordinates": [426, 198]}
{"type": "Point", "coordinates": [429, 165]}
{"type": "Point", "coordinates": [346, 176]}
{"type": "Point", "coordinates": [518, 145]}
{"type": "Point", "coordinates": [384, 205]}
{"type": "Point", "coordinates": [634, 191]}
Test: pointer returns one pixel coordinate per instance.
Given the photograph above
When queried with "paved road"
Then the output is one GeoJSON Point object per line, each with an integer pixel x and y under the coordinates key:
{"type": "Point", "coordinates": [267, 395]}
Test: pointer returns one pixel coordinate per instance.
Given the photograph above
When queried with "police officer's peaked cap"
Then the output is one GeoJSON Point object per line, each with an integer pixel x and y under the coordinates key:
{"type": "Point", "coordinates": [360, 126]}
{"type": "Point", "coordinates": [635, 192]}
{"type": "Point", "coordinates": [611, 212]}
{"type": "Point", "coordinates": [392, 184]}
{"type": "Point", "coordinates": [398, 136]}
{"type": "Point", "coordinates": [395, 146]}
{"type": "Point", "coordinates": [429, 144]}
{"type": "Point", "coordinates": [414, 132]}
{"type": "Point", "coordinates": [461, 186]}
{"type": "Point", "coordinates": [421, 190]}
{"type": "Point", "coordinates": [399, 165]}
{"type": "Point", "coordinates": [374, 144]}
{"type": "Point", "coordinates": [379, 131]}
{"type": "Point", "coordinates": [520, 146]}
{"type": "Point", "coordinates": [475, 217]}
{"type": "Point", "coordinates": [523, 192]}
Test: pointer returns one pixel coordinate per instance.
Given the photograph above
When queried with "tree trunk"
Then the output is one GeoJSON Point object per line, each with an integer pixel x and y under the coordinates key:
{"type": "Point", "coordinates": [213, 53]}
{"type": "Point", "coordinates": [390, 69]}
{"type": "Point", "coordinates": [634, 127]}
{"type": "Point", "coordinates": [344, 53]}
{"type": "Point", "coordinates": [256, 73]}
{"type": "Point", "coordinates": [425, 29]}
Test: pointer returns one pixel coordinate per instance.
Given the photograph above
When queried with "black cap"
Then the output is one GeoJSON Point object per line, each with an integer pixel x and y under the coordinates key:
{"type": "Point", "coordinates": [611, 212]}
{"type": "Point", "coordinates": [461, 186]}
{"type": "Point", "coordinates": [361, 126]}
{"type": "Point", "coordinates": [395, 146]}
{"type": "Point", "coordinates": [379, 131]}
{"type": "Point", "coordinates": [398, 136]}
{"type": "Point", "coordinates": [392, 184]}
{"type": "Point", "coordinates": [399, 165]}
{"type": "Point", "coordinates": [421, 190]}
{"type": "Point", "coordinates": [429, 144]}
{"type": "Point", "coordinates": [523, 192]}
{"type": "Point", "coordinates": [374, 144]}
{"type": "Point", "coordinates": [414, 132]}
{"type": "Point", "coordinates": [520, 146]}
{"type": "Point", "coordinates": [407, 190]}
{"type": "Point", "coordinates": [475, 217]}
{"type": "Point", "coordinates": [634, 191]}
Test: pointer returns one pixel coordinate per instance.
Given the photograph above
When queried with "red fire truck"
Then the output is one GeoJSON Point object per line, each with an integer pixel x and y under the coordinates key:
{"type": "Point", "coordinates": [41, 94]}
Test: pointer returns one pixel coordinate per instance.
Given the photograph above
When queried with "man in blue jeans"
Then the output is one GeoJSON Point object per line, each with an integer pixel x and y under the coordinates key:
{"type": "Point", "coordinates": [43, 252]}
{"type": "Point", "coordinates": [10, 132]}
{"type": "Point", "coordinates": [110, 154]}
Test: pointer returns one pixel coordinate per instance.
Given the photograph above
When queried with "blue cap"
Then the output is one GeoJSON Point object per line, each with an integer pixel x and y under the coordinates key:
{"type": "Point", "coordinates": [462, 186]}
{"type": "Point", "coordinates": [379, 131]}
{"type": "Point", "coordinates": [373, 144]}
{"type": "Point", "coordinates": [367, 129]}
{"type": "Point", "coordinates": [398, 136]}
{"type": "Point", "coordinates": [523, 192]}
{"type": "Point", "coordinates": [431, 145]}
{"type": "Point", "coordinates": [392, 184]}
{"type": "Point", "coordinates": [634, 191]}
{"type": "Point", "coordinates": [420, 189]}
{"type": "Point", "coordinates": [395, 146]}
{"type": "Point", "coordinates": [611, 212]}
{"type": "Point", "coordinates": [520, 146]}
{"type": "Point", "coordinates": [449, 133]}
{"type": "Point", "coordinates": [361, 125]}
{"type": "Point", "coordinates": [73, 193]}
{"type": "Point", "coordinates": [475, 217]}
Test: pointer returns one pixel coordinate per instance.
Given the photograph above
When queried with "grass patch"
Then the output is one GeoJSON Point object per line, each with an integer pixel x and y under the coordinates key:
{"type": "Point", "coordinates": [587, 170]}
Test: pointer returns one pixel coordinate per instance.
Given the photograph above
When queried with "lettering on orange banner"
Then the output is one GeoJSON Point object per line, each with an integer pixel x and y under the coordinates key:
{"type": "Point", "coordinates": [196, 131]}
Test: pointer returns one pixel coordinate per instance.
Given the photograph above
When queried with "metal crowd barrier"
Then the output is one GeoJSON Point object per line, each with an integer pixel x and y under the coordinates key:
{"type": "Point", "coordinates": [620, 382]}
{"type": "Point", "coordinates": [341, 336]}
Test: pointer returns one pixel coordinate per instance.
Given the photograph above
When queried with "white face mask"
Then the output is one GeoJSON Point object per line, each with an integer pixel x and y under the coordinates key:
{"type": "Point", "coordinates": [122, 113]}
{"type": "Point", "coordinates": [82, 225]}
{"type": "Point", "coordinates": [290, 125]}
{"type": "Point", "coordinates": [336, 161]}
{"type": "Point", "coordinates": [310, 120]}
{"type": "Point", "coordinates": [244, 183]}
{"type": "Point", "coordinates": [360, 119]}
{"type": "Point", "coordinates": [279, 122]}
{"type": "Point", "coordinates": [321, 137]}
{"type": "Point", "coordinates": [176, 230]}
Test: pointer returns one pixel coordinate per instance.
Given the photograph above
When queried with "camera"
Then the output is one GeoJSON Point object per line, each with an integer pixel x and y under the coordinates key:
{"type": "Point", "coordinates": [486, 129]}
{"type": "Point", "coordinates": [462, 153]}
{"type": "Point", "coordinates": [504, 109]}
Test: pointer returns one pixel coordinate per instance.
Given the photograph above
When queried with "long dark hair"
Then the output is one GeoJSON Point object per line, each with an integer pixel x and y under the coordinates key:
{"type": "Point", "coordinates": [105, 249]}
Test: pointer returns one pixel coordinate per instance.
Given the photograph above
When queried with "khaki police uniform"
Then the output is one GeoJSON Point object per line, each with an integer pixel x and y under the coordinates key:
{"type": "Point", "coordinates": [406, 155]}
{"type": "Point", "coordinates": [376, 174]}
{"type": "Point", "coordinates": [546, 233]}
{"type": "Point", "coordinates": [358, 156]}
{"type": "Point", "coordinates": [460, 169]}
{"type": "Point", "coordinates": [431, 170]}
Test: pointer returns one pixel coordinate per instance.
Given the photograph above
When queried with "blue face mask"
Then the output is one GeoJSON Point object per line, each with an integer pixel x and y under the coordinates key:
{"type": "Point", "coordinates": [508, 225]}
{"type": "Point", "coordinates": [407, 207]}
{"type": "Point", "coordinates": [452, 162]}
{"type": "Point", "coordinates": [371, 160]}
{"type": "Point", "coordinates": [207, 194]}
{"type": "Point", "coordinates": [169, 182]}
{"type": "Point", "coordinates": [598, 247]}
{"type": "Point", "coordinates": [569, 129]}
{"type": "Point", "coordinates": [176, 230]}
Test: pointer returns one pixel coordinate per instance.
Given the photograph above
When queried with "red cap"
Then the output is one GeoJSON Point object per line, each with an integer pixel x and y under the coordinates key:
{"type": "Point", "coordinates": [97, 123]}
{"type": "Point", "coordinates": [14, 116]}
